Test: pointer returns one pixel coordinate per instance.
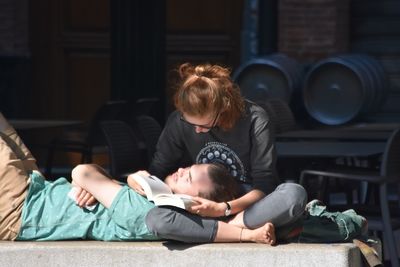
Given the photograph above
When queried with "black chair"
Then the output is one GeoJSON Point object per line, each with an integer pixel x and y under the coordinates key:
{"type": "Point", "coordinates": [123, 149]}
{"type": "Point", "coordinates": [144, 106]}
{"type": "Point", "coordinates": [149, 130]}
{"type": "Point", "coordinates": [284, 120]}
{"type": "Point", "coordinates": [87, 140]}
{"type": "Point", "coordinates": [280, 114]}
{"type": "Point", "coordinates": [387, 174]}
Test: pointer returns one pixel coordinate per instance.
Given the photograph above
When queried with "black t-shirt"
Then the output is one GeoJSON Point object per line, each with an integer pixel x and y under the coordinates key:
{"type": "Point", "coordinates": [247, 149]}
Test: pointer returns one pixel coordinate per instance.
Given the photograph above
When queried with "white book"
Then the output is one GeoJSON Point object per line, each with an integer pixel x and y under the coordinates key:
{"type": "Point", "coordinates": [159, 193]}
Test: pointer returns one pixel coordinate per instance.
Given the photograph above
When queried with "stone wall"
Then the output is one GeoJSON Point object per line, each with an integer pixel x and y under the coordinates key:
{"type": "Point", "coordinates": [309, 30]}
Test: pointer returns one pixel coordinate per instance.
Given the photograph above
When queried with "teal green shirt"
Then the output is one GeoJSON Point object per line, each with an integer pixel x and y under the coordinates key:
{"type": "Point", "coordinates": [49, 214]}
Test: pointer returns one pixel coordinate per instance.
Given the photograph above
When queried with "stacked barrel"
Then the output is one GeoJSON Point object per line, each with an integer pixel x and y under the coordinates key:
{"type": "Point", "coordinates": [341, 88]}
{"type": "Point", "coordinates": [273, 76]}
{"type": "Point", "coordinates": [335, 90]}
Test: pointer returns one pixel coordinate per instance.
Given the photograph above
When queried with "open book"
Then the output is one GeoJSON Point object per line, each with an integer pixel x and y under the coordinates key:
{"type": "Point", "coordinates": [158, 192]}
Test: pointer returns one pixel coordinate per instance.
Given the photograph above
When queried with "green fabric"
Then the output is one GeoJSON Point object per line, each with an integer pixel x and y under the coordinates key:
{"type": "Point", "coordinates": [49, 214]}
{"type": "Point", "coordinates": [321, 226]}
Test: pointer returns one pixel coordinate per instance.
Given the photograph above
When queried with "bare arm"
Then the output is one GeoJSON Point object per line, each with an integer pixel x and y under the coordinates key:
{"type": "Point", "coordinates": [246, 200]}
{"type": "Point", "coordinates": [93, 179]}
{"type": "Point", "coordinates": [213, 209]}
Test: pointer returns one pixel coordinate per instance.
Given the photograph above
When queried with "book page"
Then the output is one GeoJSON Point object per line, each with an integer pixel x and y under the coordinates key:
{"type": "Point", "coordinates": [177, 200]}
{"type": "Point", "coordinates": [152, 186]}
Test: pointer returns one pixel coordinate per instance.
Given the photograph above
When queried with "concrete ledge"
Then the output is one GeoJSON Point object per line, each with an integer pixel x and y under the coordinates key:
{"type": "Point", "coordinates": [147, 254]}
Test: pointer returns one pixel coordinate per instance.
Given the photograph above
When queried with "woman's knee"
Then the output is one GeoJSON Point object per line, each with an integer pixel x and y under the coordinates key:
{"type": "Point", "coordinates": [296, 197]}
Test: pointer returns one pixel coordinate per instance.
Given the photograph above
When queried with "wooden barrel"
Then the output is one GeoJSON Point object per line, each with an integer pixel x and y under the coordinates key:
{"type": "Point", "coordinates": [341, 88]}
{"type": "Point", "coordinates": [272, 76]}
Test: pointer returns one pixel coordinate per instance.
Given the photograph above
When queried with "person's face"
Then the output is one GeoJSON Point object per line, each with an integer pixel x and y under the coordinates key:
{"type": "Point", "coordinates": [201, 124]}
{"type": "Point", "coordinates": [190, 180]}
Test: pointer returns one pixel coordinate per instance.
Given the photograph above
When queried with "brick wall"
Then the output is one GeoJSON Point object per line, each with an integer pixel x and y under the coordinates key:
{"type": "Point", "coordinates": [14, 28]}
{"type": "Point", "coordinates": [309, 30]}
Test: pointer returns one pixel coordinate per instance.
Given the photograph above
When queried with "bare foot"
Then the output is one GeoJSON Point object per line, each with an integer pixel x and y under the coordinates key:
{"type": "Point", "coordinates": [264, 234]}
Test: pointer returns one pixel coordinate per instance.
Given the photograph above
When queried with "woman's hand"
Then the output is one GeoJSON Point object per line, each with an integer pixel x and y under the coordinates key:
{"type": "Point", "coordinates": [134, 185]}
{"type": "Point", "coordinates": [84, 198]}
{"type": "Point", "coordinates": [208, 208]}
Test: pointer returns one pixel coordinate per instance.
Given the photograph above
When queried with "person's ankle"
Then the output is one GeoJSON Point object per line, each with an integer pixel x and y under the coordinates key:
{"type": "Point", "coordinates": [244, 237]}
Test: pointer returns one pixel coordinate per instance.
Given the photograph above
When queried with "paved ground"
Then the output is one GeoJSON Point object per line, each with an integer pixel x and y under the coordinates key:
{"type": "Point", "coordinates": [149, 254]}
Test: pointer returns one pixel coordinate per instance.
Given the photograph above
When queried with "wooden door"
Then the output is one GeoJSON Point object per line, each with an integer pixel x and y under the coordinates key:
{"type": "Point", "coordinates": [70, 52]}
{"type": "Point", "coordinates": [199, 32]}
{"type": "Point", "coordinates": [70, 47]}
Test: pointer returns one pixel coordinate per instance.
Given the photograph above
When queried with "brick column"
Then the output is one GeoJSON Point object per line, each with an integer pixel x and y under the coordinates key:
{"type": "Point", "coordinates": [310, 30]}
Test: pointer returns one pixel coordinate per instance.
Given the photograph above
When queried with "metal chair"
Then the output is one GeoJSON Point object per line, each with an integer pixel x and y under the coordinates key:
{"type": "Point", "coordinates": [123, 149]}
{"type": "Point", "coordinates": [149, 130]}
{"type": "Point", "coordinates": [86, 141]}
{"type": "Point", "coordinates": [284, 121]}
{"type": "Point", "coordinates": [144, 106]}
{"type": "Point", "coordinates": [280, 114]}
{"type": "Point", "coordinates": [387, 174]}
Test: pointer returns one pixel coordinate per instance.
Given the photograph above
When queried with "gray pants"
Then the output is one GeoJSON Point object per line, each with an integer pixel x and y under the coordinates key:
{"type": "Point", "coordinates": [282, 207]}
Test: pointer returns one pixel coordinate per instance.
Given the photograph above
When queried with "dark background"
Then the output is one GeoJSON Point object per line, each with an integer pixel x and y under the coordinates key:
{"type": "Point", "coordinates": [62, 59]}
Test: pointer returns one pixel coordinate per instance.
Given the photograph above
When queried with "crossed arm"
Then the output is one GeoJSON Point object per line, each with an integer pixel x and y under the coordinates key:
{"type": "Point", "coordinates": [94, 184]}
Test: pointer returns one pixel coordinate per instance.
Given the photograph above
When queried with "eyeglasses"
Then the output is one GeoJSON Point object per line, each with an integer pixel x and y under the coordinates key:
{"type": "Point", "coordinates": [205, 126]}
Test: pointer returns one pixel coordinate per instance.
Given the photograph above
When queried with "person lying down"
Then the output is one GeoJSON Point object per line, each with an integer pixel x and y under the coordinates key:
{"type": "Point", "coordinates": [32, 208]}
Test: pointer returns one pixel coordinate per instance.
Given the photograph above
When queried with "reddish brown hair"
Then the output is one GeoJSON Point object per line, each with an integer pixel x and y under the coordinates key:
{"type": "Point", "coordinates": [206, 89]}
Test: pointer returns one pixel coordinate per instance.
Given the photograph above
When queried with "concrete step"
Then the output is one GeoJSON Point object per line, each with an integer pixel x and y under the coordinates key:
{"type": "Point", "coordinates": [149, 254]}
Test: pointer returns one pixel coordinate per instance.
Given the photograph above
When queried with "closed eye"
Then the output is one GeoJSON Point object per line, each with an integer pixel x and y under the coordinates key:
{"type": "Point", "coordinates": [190, 176]}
